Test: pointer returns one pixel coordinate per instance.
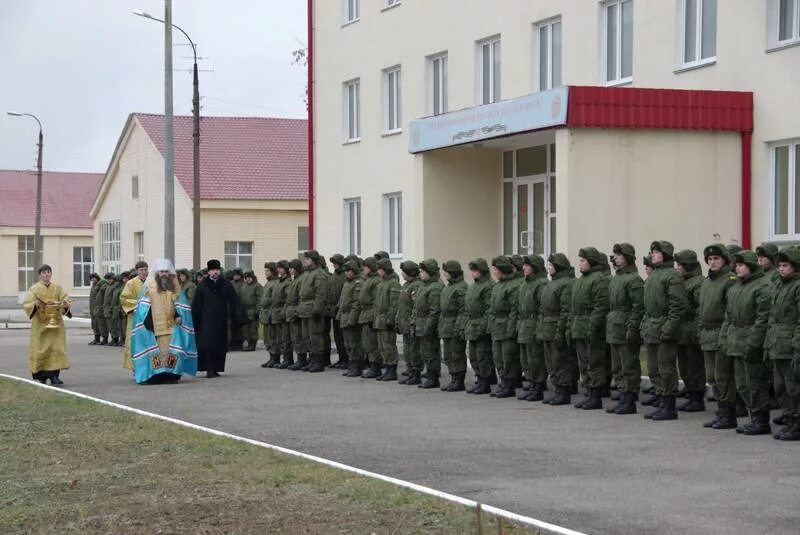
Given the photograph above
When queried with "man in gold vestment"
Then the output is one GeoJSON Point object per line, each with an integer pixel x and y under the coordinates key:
{"type": "Point", "coordinates": [46, 304]}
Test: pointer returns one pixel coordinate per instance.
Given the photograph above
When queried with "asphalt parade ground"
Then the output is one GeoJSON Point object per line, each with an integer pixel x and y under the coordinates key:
{"type": "Point", "coordinates": [584, 470]}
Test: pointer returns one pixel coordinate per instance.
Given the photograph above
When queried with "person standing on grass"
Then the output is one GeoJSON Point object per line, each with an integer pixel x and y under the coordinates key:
{"type": "Point", "coordinates": [46, 304]}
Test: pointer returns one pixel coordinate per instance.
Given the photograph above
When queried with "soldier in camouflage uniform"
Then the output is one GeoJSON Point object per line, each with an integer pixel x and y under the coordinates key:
{"type": "Point", "coordinates": [502, 317]}
{"type": "Point", "coordinates": [783, 342]}
{"type": "Point", "coordinates": [112, 336]}
{"type": "Point", "coordinates": [690, 356]}
{"type": "Point", "coordinates": [115, 321]}
{"type": "Point", "coordinates": [625, 303]}
{"type": "Point", "coordinates": [742, 338]}
{"type": "Point", "coordinates": [93, 307]}
{"type": "Point", "coordinates": [451, 326]}
{"type": "Point", "coordinates": [283, 335]}
{"type": "Point", "coordinates": [312, 309]}
{"type": "Point", "coordinates": [348, 312]}
{"type": "Point", "coordinates": [386, 297]}
{"type": "Point", "coordinates": [530, 347]}
{"type": "Point", "coordinates": [553, 327]}
{"type": "Point", "coordinates": [766, 258]}
{"type": "Point", "coordinates": [713, 300]}
{"type": "Point", "coordinates": [188, 287]}
{"type": "Point", "coordinates": [426, 314]}
{"type": "Point", "coordinates": [335, 284]}
{"type": "Point", "coordinates": [250, 295]}
{"type": "Point", "coordinates": [292, 302]}
{"type": "Point", "coordinates": [366, 300]}
{"type": "Point", "coordinates": [476, 326]}
{"type": "Point", "coordinates": [265, 315]}
{"type": "Point", "coordinates": [405, 322]}
{"type": "Point", "coordinates": [236, 338]}
{"type": "Point", "coordinates": [99, 310]}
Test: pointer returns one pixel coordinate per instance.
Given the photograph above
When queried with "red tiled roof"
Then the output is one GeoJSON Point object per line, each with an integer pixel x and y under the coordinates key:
{"type": "Point", "coordinates": [66, 198]}
{"type": "Point", "coordinates": [240, 157]}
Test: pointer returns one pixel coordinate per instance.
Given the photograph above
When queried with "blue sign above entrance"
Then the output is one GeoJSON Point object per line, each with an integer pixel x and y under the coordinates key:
{"type": "Point", "coordinates": [523, 114]}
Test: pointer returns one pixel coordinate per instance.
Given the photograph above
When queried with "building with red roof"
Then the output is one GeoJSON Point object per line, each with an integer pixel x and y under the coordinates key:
{"type": "Point", "coordinates": [67, 243]}
{"type": "Point", "coordinates": [253, 192]}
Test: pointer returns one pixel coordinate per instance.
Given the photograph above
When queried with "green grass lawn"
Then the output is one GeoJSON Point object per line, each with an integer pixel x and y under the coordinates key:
{"type": "Point", "coordinates": [72, 465]}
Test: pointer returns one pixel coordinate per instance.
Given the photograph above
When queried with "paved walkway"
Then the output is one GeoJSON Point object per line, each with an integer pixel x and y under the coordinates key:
{"type": "Point", "coordinates": [586, 470]}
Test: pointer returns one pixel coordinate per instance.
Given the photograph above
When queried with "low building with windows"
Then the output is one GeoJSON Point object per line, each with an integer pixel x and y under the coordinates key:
{"type": "Point", "coordinates": [455, 129]}
{"type": "Point", "coordinates": [253, 192]}
{"type": "Point", "coordinates": [66, 228]}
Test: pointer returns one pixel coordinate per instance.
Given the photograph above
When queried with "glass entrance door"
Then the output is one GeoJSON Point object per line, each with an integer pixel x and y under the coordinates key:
{"type": "Point", "coordinates": [531, 233]}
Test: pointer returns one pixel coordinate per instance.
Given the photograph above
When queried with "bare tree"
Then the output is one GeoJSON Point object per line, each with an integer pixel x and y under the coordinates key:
{"type": "Point", "coordinates": [300, 57]}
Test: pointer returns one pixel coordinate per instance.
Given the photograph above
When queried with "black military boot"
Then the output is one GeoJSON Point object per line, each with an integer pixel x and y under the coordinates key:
{"type": "Point", "coordinates": [390, 374]}
{"type": "Point", "coordinates": [759, 424]}
{"type": "Point", "coordinates": [458, 383]}
{"type": "Point", "coordinates": [727, 418]}
{"type": "Point", "coordinates": [594, 401]}
{"type": "Point", "coordinates": [448, 386]}
{"type": "Point", "coordinates": [791, 432]}
{"type": "Point", "coordinates": [783, 419]}
{"type": "Point", "coordinates": [493, 378]}
{"type": "Point", "coordinates": [584, 399]}
{"type": "Point", "coordinates": [288, 361]}
{"type": "Point", "coordinates": [740, 410]}
{"type": "Point", "coordinates": [505, 390]}
{"type": "Point", "coordinates": [713, 420]}
{"type": "Point", "coordinates": [628, 405]}
{"type": "Point", "coordinates": [658, 408]}
{"type": "Point", "coordinates": [537, 392]}
{"type": "Point", "coordinates": [414, 377]}
{"type": "Point", "coordinates": [343, 363]}
{"type": "Point", "coordinates": [96, 340]}
{"type": "Point", "coordinates": [667, 411]}
{"type": "Point", "coordinates": [301, 362]}
{"type": "Point", "coordinates": [317, 364]}
{"type": "Point", "coordinates": [473, 388]}
{"type": "Point", "coordinates": [354, 369]}
{"type": "Point", "coordinates": [563, 396]}
{"type": "Point", "coordinates": [620, 402]}
{"type": "Point", "coordinates": [483, 386]}
{"type": "Point", "coordinates": [651, 401]}
{"type": "Point", "coordinates": [55, 381]}
{"type": "Point", "coordinates": [501, 386]}
{"type": "Point", "coordinates": [432, 381]}
{"type": "Point", "coordinates": [276, 360]}
{"type": "Point", "coordinates": [373, 372]}
{"type": "Point", "coordinates": [696, 401]}
{"type": "Point", "coordinates": [406, 374]}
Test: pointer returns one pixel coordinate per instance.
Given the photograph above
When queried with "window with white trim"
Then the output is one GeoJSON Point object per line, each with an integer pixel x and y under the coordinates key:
{"type": "Point", "coordinates": [617, 41]}
{"type": "Point", "coordinates": [82, 266]}
{"type": "Point", "coordinates": [547, 39]}
{"type": "Point", "coordinates": [110, 246]}
{"type": "Point", "coordinates": [135, 187]}
{"type": "Point", "coordinates": [788, 21]}
{"type": "Point", "coordinates": [393, 223]}
{"type": "Point", "coordinates": [352, 226]}
{"type": "Point", "coordinates": [26, 271]}
{"type": "Point", "coordinates": [786, 190]}
{"type": "Point", "coordinates": [138, 245]}
{"type": "Point", "coordinates": [437, 84]}
{"type": "Point", "coordinates": [302, 240]}
{"type": "Point", "coordinates": [391, 100]}
{"type": "Point", "coordinates": [351, 113]}
{"type": "Point", "coordinates": [350, 11]}
{"type": "Point", "coordinates": [488, 67]}
{"type": "Point", "coordinates": [239, 254]}
{"type": "Point", "coordinates": [698, 32]}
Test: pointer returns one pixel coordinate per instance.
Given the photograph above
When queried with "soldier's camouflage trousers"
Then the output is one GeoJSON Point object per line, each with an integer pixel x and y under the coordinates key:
{"type": "Point", "coordinates": [506, 358]}
{"type": "Point", "coordinates": [691, 365]}
{"type": "Point", "coordinates": [411, 352]}
{"type": "Point", "coordinates": [387, 346]}
{"type": "Point", "coordinates": [531, 357]}
{"type": "Point", "coordinates": [431, 351]}
{"type": "Point", "coordinates": [591, 361]}
{"type": "Point", "coordinates": [787, 386]}
{"type": "Point", "coordinates": [664, 357]}
{"type": "Point", "coordinates": [480, 356]}
{"type": "Point", "coordinates": [352, 341]}
{"type": "Point", "coordinates": [454, 354]}
{"type": "Point", "coordinates": [625, 359]}
{"type": "Point", "coordinates": [369, 343]}
{"type": "Point", "coordinates": [313, 333]}
{"type": "Point", "coordinates": [296, 334]}
{"type": "Point", "coordinates": [560, 363]}
{"type": "Point", "coordinates": [752, 381]}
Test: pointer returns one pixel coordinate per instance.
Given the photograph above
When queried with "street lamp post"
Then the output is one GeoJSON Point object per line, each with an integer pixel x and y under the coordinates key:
{"type": "Point", "coordinates": [195, 141]}
{"type": "Point", "coordinates": [37, 237]}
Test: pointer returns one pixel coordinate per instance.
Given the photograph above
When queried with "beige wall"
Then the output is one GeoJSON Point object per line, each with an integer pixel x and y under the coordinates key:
{"type": "Point", "coordinates": [272, 225]}
{"type": "Point", "coordinates": [57, 251]}
{"type": "Point", "coordinates": [406, 34]}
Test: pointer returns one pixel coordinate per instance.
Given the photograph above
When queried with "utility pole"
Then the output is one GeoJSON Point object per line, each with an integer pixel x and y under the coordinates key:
{"type": "Point", "coordinates": [169, 171]}
{"type": "Point", "coordinates": [37, 232]}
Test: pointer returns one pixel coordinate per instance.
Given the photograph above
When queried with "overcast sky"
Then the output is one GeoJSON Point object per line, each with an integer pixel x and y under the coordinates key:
{"type": "Point", "coordinates": [82, 66]}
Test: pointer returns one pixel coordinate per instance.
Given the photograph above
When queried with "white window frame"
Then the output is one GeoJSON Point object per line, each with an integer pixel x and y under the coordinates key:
{"type": "Point", "coordinates": [238, 255]}
{"type": "Point", "coordinates": [774, 41]}
{"type": "Point", "coordinates": [352, 233]}
{"type": "Point", "coordinates": [351, 11]}
{"type": "Point", "coordinates": [389, 4]}
{"type": "Point", "coordinates": [699, 60]}
{"type": "Point", "coordinates": [392, 100]}
{"type": "Point", "coordinates": [110, 246]}
{"type": "Point", "coordinates": [437, 92]}
{"type": "Point", "coordinates": [393, 224]}
{"type": "Point", "coordinates": [351, 111]}
{"type": "Point", "coordinates": [492, 86]}
{"type": "Point", "coordinates": [85, 268]}
{"type": "Point", "coordinates": [300, 231]}
{"type": "Point", "coordinates": [618, 79]}
{"type": "Point", "coordinates": [135, 187]}
{"type": "Point", "coordinates": [26, 246]}
{"type": "Point", "coordinates": [549, 82]}
{"type": "Point", "coordinates": [792, 234]}
{"type": "Point", "coordinates": [138, 244]}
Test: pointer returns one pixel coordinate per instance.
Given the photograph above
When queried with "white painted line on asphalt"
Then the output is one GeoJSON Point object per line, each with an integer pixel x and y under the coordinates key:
{"type": "Point", "coordinates": [540, 524]}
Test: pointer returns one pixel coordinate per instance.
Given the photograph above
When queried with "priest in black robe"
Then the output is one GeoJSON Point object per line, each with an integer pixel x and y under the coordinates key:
{"type": "Point", "coordinates": [214, 304]}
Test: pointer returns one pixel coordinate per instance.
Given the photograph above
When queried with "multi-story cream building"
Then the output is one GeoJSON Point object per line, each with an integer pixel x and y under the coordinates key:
{"type": "Point", "coordinates": [66, 230]}
{"type": "Point", "coordinates": [464, 128]}
{"type": "Point", "coordinates": [253, 192]}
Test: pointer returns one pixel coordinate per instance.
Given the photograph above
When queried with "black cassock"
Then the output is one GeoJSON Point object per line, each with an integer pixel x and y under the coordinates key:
{"type": "Point", "coordinates": [214, 303]}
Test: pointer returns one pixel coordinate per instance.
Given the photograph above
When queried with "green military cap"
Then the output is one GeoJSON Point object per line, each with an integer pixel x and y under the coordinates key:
{"type": "Point", "coordinates": [452, 266]}
{"type": "Point", "coordinates": [479, 264]}
{"type": "Point", "coordinates": [337, 259]}
{"type": "Point", "coordinates": [767, 249]}
{"type": "Point", "coordinates": [733, 249]}
{"type": "Point", "coordinates": [371, 262]}
{"type": "Point", "coordinates": [109, 275]}
{"type": "Point", "coordinates": [380, 254]}
{"type": "Point", "coordinates": [666, 248]}
{"type": "Point", "coordinates": [94, 276]}
{"type": "Point", "coordinates": [354, 258]}
{"type": "Point", "coordinates": [535, 261]}
{"type": "Point", "coordinates": [430, 266]}
{"type": "Point", "coordinates": [250, 273]}
{"type": "Point", "coordinates": [591, 254]}
{"type": "Point", "coordinates": [503, 264]}
{"type": "Point", "coordinates": [559, 261]}
{"type": "Point", "coordinates": [789, 254]}
{"type": "Point", "coordinates": [410, 268]}
{"type": "Point", "coordinates": [125, 275]}
{"type": "Point", "coordinates": [716, 249]}
{"type": "Point", "coordinates": [686, 257]}
{"type": "Point", "coordinates": [625, 249]}
{"type": "Point", "coordinates": [351, 265]}
{"type": "Point", "coordinates": [183, 271]}
{"type": "Point", "coordinates": [296, 265]}
{"type": "Point", "coordinates": [385, 264]}
{"type": "Point", "coordinates": [748, 258]}
{"type": "Point", "coordinates": [204, 272]}
{"type": "Point", "coordinates": [313, 255]}
{"type": "Point", "coordinates": [516, 261]}
{"type": "Point", "coordinates": [282, 264]}
{"type": "Point", "coordinates": [270, 266]}
{"type": "Point", "coordinates": [237, 271]}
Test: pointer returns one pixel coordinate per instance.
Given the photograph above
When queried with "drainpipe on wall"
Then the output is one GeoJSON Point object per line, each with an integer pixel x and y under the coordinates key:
{"type": "Point", "coordinates": [310, 97]}
{"type": "Point", "coordinates": [746, 188]}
